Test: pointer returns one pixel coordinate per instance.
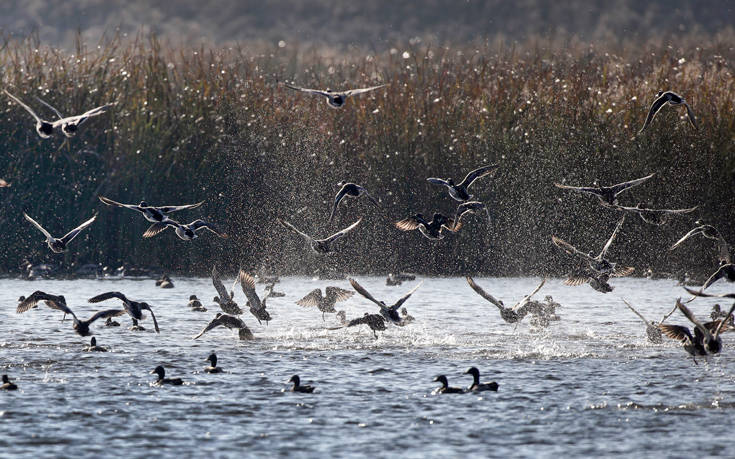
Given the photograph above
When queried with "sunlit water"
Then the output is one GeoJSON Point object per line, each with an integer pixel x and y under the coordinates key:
{"type": "Point", "coordinates": [589, 384]}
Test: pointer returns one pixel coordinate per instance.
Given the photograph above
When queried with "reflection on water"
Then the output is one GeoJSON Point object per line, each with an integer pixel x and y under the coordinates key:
{"type": "Point", "coordinates": [588, 384]}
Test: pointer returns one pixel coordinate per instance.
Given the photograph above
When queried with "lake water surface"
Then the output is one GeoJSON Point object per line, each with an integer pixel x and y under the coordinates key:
{"type": "Point", "coordinates": [590, 384]}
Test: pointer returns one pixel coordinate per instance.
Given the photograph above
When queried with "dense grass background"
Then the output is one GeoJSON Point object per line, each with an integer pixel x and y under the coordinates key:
{"type": "Point", "coordinates": [213, 124]}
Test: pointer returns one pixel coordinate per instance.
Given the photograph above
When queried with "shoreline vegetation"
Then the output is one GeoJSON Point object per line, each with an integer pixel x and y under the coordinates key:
{"type": "Point", "coordinates": [214, 124]}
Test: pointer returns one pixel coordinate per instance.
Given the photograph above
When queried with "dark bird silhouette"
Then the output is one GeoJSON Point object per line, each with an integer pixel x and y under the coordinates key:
{"type": "Point", "coordinates": [255, 304]}
{"type": "Point", "coordinates": [58, 245]}
{"type": "Point", "coordinates": [335, 99]}
{"type": "Point", "coordinates": [606, 194]}
{"type": "Point", "coordinates": [326, 302]}
{"type": "Point", "coordinates": [231, 322]}
{"type": "Point", "coordinates": [162, 379]}
{"type": "Point", "coordinates": [187, 232]}
{"type": "Point", "coordinates": [213, 368]}
{"type": "Point", "coordinates": [390, 313]}
{"type": "Point", "coordinates": [224, 298]}
{"type": "Point", "coordinates": [133, 308]}
{"type": "Point", "coordinates": [154, 214]}
{"type": "Point", "coordinates": [349, 189]}
{"type": "Point", "coordinates": [431, 230]}
{"type": "Point", "coordinates": [599, 263]}
{"type": "Point", "coordinates": [510, 315]}
{"type": "Point", "coordinates": [81, 327]}
{"type": "Point", "coordinates": [671, 98]}
{"type": "Point", "coordinates": [459, 191]}
{"type": "Point", "coordinates": [477, 386]}
{"type": "Point", "coordinates": [297, 387]}
{"type": "Point", "coordinates": [321, 246]}
{"type": "Point", "coordinates": [706, 338]}
{"type": "Point", "coordinates": [656, 217]}
{"type": "Point", "coordinates": [7, 385]}
{"type": "Point", "coordinates": [445, 389]}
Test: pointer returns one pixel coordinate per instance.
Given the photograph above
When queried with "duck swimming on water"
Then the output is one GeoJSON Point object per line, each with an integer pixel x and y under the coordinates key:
{"type": "Point", "coordinates": [445, 389]}
{"type": "Point", "coordinates": [477, 386]}
{"type": "Point", "coordinates": [93, 346]}
{"type": "Point", "coordinates": [213, 368]}
{"type": "Point", "coordinates": [7, 385]}
{"type": "Point", "coordinates": [162, 380]}
{"type": "Point", "coordinates": [297, 387]}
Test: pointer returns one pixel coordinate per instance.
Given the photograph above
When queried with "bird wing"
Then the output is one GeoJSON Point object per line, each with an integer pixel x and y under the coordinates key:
{"type": "Point", "coordinates": [612, 238]}
{"type": "Point", "coordinates": [688, 314]}
{"type": "Point", "coordinates": [483, 293]}
{"type": "Point", "coordinates": [312, 299]}
{"type": "Point", "coordinates": [219, 286]}
{"type": "Point", "coordinates": [339, 294]}
{"type": "Point", "coordinates": [307, 90]}
{"type": "Point", "coordinates": [408, 224]}
{"type": "Point", "coordinates": [700, 293]}
{"type": "Point", "coordinates": [199, 224]}
{"type": "Point", "coordinates": [354, 92]}
{"type": "Point", "coordinates": [342, 233]}
{"type": "Point", "coordinates": [622, 271]}
{"type": "Point", "coordinates": [570, 249]}
{"type": "Point", "coordinates": [677, 332]}
{"type": "Point", "coordinates": [58, 114]}
{"type": "Point", "coordinates": [293, 228]}
{"type": "Point", "coordinates": [690, 116]}
{"type": "Point", "coordinates": [153, 316]}
{"type": "Point", "coordinates": [371, 198]}
{"type": "Point", "coordinates": [581, 189]}
{"type": "Point", "coordinates": [337, 199]}
{"type": "Point", "coordinates": [721, 271]}
{"type": "Point", "coordinates": [476, 174]}
{"type": "Point", "coordinates": [68, 237]}
{"type": "Point", "coordinates": [247, 283]}
{"type": "Point", "coordinates": [359, 289]}
{"type": "Point", "coordinates": [28, 109]}
{"type": "Point", "coordinates": [528, 297]}
{"type": "Point", "coordinates": [79, 119]}
{"type": "Point", "coordinates": [105, 314]}
{"type": "Point", "coordinates": [655, 107]}
{"type": "Point", "coordinates": [691, 233]}
{"type": "Point", "coordinates": [38, 226]}
{"type": "Point", "coordinates": [168, 209]}
{"type": "Point", "coordinates": [723, 325]}
{"type": "Point", "coordinates": [37, 296]}
{"type": "Point", "coordinates": [437, 181]}
{"type": "Point", "coordinates": [576, 279]}
{"type": "Point", "coordinates": [110, 202]}
{"type": "Point", "coordinates": [216, 322]}
{"type": "Point", "coordinates": [155, 229]}
{"type": "Point", "coordinates": [636, 312]}
{"type": "Point", "coordinates": [108, 295]}
{"type": "Point", "coordinates": [405, 297]}
{"type": "Point", "coordinates": [358, 321]}
{"type": "Point", "coordinates": [617, 189]}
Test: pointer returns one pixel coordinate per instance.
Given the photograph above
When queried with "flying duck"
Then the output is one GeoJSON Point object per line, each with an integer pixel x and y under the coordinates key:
{"type": "Point", "coordinates": [186, 232]}
{"type": "Point", "coordinates": [672, 98]}
{"type": "Point", "coordinates": [510, 315]}
{"type": "Point", "coordinates": [68, 125]}
{"type": "Point", "coordinates": [58, 245]}
{"type": "Point", "coordinates": [606, 194]}
{"type": "Point", "coordinates": [390, 313]}
{"type": "Point", "coordinates": [653, 332]}
{"type": "Point", "coordinates": [151, 213]}
{"type": "Point", "coordinates": [658, 217]}
{"type": "Point", "coordinates": [376, 322]}
{"type": "Point", "coordinates": [225, 299]}
{"type": "Point", "coordinates": [326, 302]}
{"type": "Point", "coordinates": [256, 305]}
{"type": "Point", "coordinates": [81, 327]}
{"type": "Point", "coordinates": [335, 99]}
{"type": "Point", "coordinates": [459, 191]}
{"type": "Point", "coordinates": [470, 207]}
{"type": "Point", "coordinates": [24, 304]}
{"type": "Point", "coordinates": [321, 245]}
{"type": "Point", "coordinates": [231, 322]}
{"type": "Point", "coordinates": [706, 339]}
{"type": "Point", "coordinates": [431, 230]}
{"type": "Point", "coordinates": [133, 308]}
{"type": "Point", "coordinates": [349, 189]}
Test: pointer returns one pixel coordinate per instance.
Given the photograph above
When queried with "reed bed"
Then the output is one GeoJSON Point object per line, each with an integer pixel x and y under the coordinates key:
{"type": "Point", "coordinates": [214, 124]}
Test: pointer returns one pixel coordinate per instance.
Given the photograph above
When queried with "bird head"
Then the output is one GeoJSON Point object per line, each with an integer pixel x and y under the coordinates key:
{"type": "Point", "coordinates": [159, 371]}
{"type": "Point", "coordinates": [442, 379]}
{"type": "Point", "coordinates": [143, 204]}
{"type": "Point", "coordinates": [93, 342]}
{"type": "Point", "coordinates": [212, 359]}
{"type": "Point", "coordinates": [473, 371]}
{"type": "Point", "coordinates": [295, 379]}
{"type": "Point", "coordinates": [193, 297]}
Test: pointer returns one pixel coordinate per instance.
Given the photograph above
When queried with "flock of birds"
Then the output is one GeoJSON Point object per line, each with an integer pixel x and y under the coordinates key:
{"type": "Point", "coordinates": [594, 269]}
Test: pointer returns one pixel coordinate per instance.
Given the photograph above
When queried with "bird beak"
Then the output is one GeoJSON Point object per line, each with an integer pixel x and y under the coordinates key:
{"type": "Point", "coordinates": [152, 372]}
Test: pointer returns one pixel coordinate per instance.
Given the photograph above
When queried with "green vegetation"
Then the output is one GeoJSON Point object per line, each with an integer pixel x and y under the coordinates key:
{"type": "Point", "coordinates": [215, 125]}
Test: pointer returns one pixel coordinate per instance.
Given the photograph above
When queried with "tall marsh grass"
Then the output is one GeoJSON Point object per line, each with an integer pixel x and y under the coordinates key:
{"type": "Point", "coordinates": [193, 124]}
